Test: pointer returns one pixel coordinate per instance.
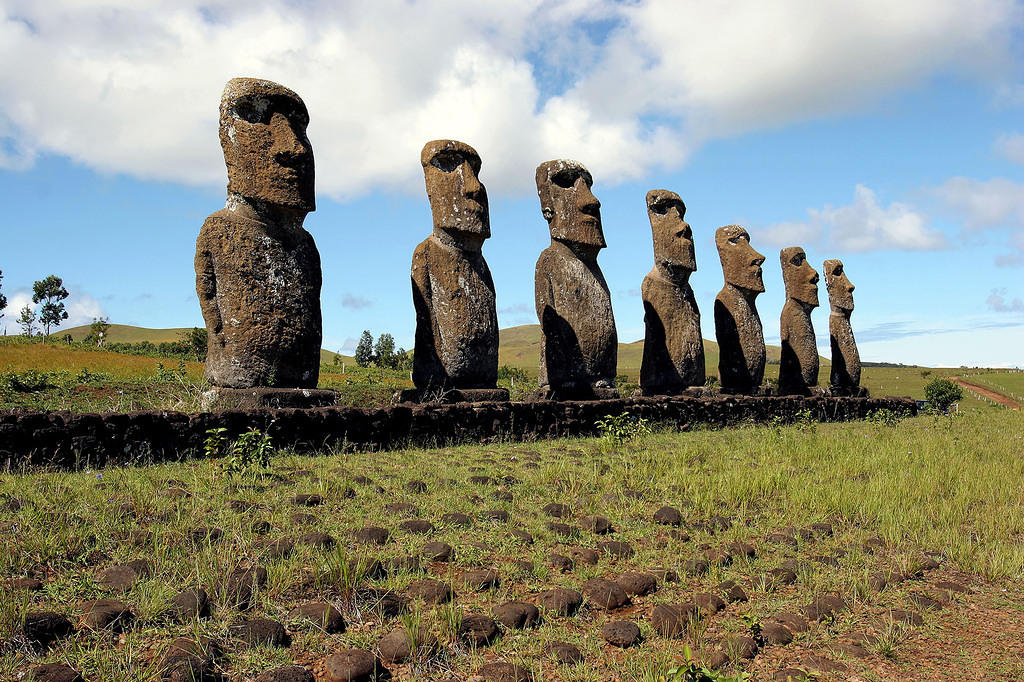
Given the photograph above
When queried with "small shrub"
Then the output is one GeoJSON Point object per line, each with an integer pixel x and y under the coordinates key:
{"type": "Point", "coordinates": [941, 393]}
{"type": "Point", "coordinates": [623, 427]}
{"type": "Point", "coordinates": [251, 450]}
{"type": "Point", "coordinates": [890, 418]}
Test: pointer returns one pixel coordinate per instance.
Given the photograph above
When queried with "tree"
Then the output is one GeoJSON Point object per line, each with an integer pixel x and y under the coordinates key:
{"type": "Point", "coordinates": [27, 320]}
{"type": "Point", "coordinates": [98, 329]}
{"type": "Point", "coordinates": [364, 349]}
{"type": "Point", "coordinates": [50, 292]}
{"type": "Point", "coordinates": [195, 340]}
{"type": "Point", "coordinates": [3, 299]}
{"type": "Point", "coordinates": [941, 393]}
{"type": "Point", "coordinates": [384, 351]}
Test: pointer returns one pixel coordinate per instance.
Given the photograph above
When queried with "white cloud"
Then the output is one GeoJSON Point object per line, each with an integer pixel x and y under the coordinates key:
{"type": "Point", "coordinates": [131, 87]}
{"type": "Point", "coordinates": [80, 306]}
{"type": "Point", "coordinates": [353, 302]}
{"type": "Point", "coordinates": [984, 203]}
{"type": "Point", "coordinates": [997, 301]}
{"type": "Point", "coordinates": [1011, 146]}
{"type": "Point", "coordinates": [863, 225]}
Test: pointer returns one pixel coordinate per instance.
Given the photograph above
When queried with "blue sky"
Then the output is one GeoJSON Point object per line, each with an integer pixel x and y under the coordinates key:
{"type": "Point", "coordinates": [891, 138]}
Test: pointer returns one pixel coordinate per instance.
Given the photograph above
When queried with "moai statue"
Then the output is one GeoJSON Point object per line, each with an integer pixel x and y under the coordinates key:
{"type": "Point", "coordinates": [456, 355]}
{"type": "Point", "coordinates": [737, 325]}
{"type": "Point", "coordinates": [579, 344]}
{"type": "Point", "coordinates": [798, 367]}
{"type": "Point", "coordinates": [673, 357]}
{"type": "Point", "coordinates": [257, 270]}
{"type": "Point", "coordinates": [845, 376]}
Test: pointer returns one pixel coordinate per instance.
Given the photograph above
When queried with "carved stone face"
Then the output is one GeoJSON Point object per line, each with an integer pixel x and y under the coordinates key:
{"type": "Point", "coordinates": [458, 201]}
{"type": "Point", "coordinates": [840, 291]}
{"type": "Point", "coordinates": [571, 209]}
{"type": "Point", "coordinates": [263, 133]}
{"type": "Point", "coordinates": [741, 264]}
{"type": "Point", "coordinates": [673, 239]}
{"type": "Point", "coordinates": [800, 278]}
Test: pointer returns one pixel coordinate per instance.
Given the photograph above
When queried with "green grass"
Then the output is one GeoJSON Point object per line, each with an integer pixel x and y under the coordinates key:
{"type": "Point", "coordinates": [1009, 383]}
{"type": "Point", "coordinates": [948, 485]}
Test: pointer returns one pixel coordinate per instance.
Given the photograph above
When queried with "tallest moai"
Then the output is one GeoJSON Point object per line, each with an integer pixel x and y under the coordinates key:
{"type": "Point", "coordinates": [257, 270]}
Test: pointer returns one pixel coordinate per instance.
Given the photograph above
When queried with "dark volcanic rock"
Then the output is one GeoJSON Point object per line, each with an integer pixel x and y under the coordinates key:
{"type": "Point", "coordinates": [431, 591]}
{"type": "Point", "coordinates": [55, 672]}
{"type": "Point", "coordinates": [621, 633]}
{"type": "Point", "coordinates": [517, 615]}
{"type": "Point", "coordinates": [605, 594]}
{"type": "Point", "coordinates": [668, 516]}
{"type": "Point", "coordinates": [372, 535]}
{"type": "Point", "coordinates": [672, 621]}
{"type": "Point", "coordinates": [638, 584]}
{"type": "Point", "coordinates": [437, 551]}
{"type": "Point", "coordinates": [189, 604]}
{"type": "Point", "coordinates": [597, 524]}
{"type": "Point", "coordinates": [259, 632]}
{"type": "Point", "coordinates": [563, 652]}
{"type": "Point", "coordinates": [104, 614]}
{"type": "Point", "coordinates": [354, 665]}
{"type": "Point", "coordinates": [398, 646]}
{"type": "Point", "coordinates": [241, 586]}
{"type": "Point", "coordinates": [617, 549]}
{"type": "Point", "coordinates": [776, 633]}
{"type": "Point", "coordinates": [321, 615]}
{"type": "Point", "coordinates": [560, 601]}
{"type": "Point", "coordinates": [481, 580]}
{"type": "Point", "coordinates": [477, 630]}
{"type": "Point", "coordinates": [43, 628]}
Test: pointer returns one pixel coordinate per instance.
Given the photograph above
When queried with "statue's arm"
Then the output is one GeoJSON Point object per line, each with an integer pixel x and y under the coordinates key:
{"type": "Point", "coordinates": [206, 282]}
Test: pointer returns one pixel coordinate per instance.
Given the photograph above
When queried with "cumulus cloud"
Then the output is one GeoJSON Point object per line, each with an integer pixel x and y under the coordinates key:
{"type": "Point", "coordinates": [80, 306]}
{"type": "Point", "coordinates": [133, 87]}
{"type": "Point", "coordinates": [353, 302]}
{"type": "Point", "coordinates": [863, 225]}
{"type": "Point", "coordinates": [998, 302]}
{"type": "Point", "coordinates": [984, 203]}
{"type": "Point", "coordinates": [1011, 147]}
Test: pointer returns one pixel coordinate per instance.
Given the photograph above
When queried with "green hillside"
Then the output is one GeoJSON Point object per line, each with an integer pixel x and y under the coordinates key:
{"type": "Point", "coordinates": [520, 347]}
{"type": "Point", "coordinates": [123, 333]}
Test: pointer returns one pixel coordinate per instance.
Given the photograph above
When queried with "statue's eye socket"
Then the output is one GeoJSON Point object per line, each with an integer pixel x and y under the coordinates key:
{"type": "Point", "coordinates": [565, 179]}
{"type": "Point", "coordinates": [797, 260]}
{"type": "Point", "coordinates": [253, 110]}
{"type": "Point", "coordinates": [661, 208]}
{"type": "Point", "coordinates": [446, 162]}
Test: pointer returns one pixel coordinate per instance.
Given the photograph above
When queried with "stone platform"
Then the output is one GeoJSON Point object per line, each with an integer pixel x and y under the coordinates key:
{"type": "Point", "coordinates": [65, 440]}
{"type": "Point", "coordinates": [453, 395]}
{"type": "Point", "coordinates": [252, 398]}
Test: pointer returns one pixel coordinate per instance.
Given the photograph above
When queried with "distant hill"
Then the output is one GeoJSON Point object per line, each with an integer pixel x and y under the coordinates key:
{"type": "Point", "coordinates": [517, 347]}
{"type": "Point", "coordinates": [520, 347]}
{"type": "Point", "coordinates": [123, 333]}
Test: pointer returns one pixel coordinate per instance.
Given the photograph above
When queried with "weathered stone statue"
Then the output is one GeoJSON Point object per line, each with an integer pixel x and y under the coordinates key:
{"type": "Point", "coordinates": [673, 357]}
{"type": "Point", "coordinates": [456, 354]}
{"type": "Point", "coordinates": [798, 367]}
{"type": "Point", "coordinates": [737, 325]}
{"type": "Point", "coordinates": [579, 344]}
{"type": "Point", "coordinates": [845, 376]}
{"type": "Point", "coordinates": [257, 270]}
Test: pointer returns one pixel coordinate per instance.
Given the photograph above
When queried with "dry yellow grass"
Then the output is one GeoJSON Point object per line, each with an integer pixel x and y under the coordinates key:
{"type": "Point", "coordinates": [48, 357]}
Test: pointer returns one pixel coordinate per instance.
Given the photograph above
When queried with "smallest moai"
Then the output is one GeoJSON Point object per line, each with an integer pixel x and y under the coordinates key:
{"type": "Point", "coordinates": [737, 324]}
{"type": "Point", "coordinates": [673, 359]}
{"type": "Point", "coordinates": [845, 375]}
{"type": "Point", "coordinates": [798, 367]}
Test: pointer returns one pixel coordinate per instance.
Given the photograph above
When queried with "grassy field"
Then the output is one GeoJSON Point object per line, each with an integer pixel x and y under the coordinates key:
{"type": "Point", "coordinates": [746, 500]}
{"type": "Point", "coordinates": [1010, 383]}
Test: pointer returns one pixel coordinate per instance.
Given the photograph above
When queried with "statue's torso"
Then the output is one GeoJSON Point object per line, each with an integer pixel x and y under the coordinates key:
{"type": "Point", "coordinates": [798, 366]}
{"type": "Point", "coordinates": [266, 326]}
{"type": "Point", "coordinates": [580, 344]}
{"type": "Point", "coordinates": [740, 339]}
{"type": "Point", "coordinates": [845, 356]}
{"type": "Point", "coordinates": [456, 321]}
{"type": "Point", "coordinates": [673, 345]}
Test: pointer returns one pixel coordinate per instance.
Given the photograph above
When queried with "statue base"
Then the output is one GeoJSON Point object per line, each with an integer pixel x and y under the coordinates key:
{"type": "Point", "coordinates": [573, 393]}
{"type": "Point", "coordinates": [680, 391]}
{"type": "Point", "coordinates": [452, 395]}
{"type": "Point", "coordinates": [847, 392]}
{"type": "Point", "coordinates": [261, 396]}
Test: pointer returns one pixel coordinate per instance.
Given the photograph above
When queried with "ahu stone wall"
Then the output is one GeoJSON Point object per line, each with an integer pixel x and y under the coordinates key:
{"type": "Point", "coordinates": [70, 441]}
